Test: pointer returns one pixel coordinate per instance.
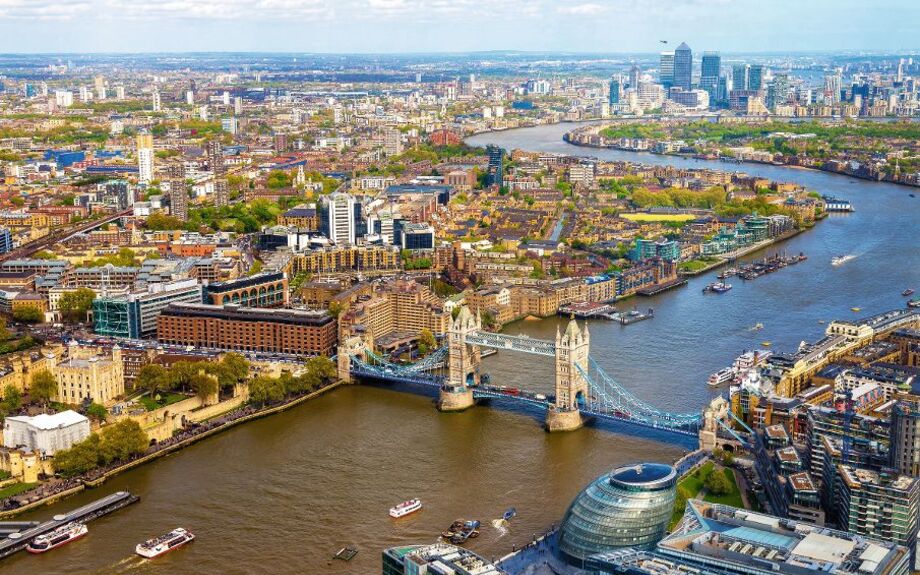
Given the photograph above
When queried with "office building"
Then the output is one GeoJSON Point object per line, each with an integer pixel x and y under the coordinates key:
{"type": "Point", "coordinates": [417, 236]}
{"type": "Point", "coordinates": [628, 507]}
{"type": "Point", "coordinates": [495, 170]}
{"type": "Point", "coordinates": [721, 540]}
{"type": "Point", "coordinates": [666, 69]}
{"type": "Point", "coordinates": [905, 436]}
{"type": "Point", "coordinates": [435, 559]}
{"type": "Point", "coordinates": [145, 157]}
{"type": "Point", "coordinates": [616, 91]}
{"type": "Point", "coordinates": [709, 74]}
{"type": "Point", "coordinates": [6, 240]}
{"type": "Point", "coordinates": [238, 328]}
{"type": "Point", "coordinates": [877, 504]}
{"type": "Point", "coordinates": [134, 315]}
{"type": "Point", "coordinates": [683, 67]}
{"type": "Point", "coordinates": [756, 78]}
{"type": "Point", "coordinates": [45, 433]}
{"type": "Point", "coordinates": [337, 218]}
{"type": "Point", "coordinates": [268, 289]}
{"type": "Point", "coordinates": [740, 73]}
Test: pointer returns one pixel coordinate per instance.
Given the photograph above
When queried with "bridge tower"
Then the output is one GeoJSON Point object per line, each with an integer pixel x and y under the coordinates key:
{"type": "Point", "coordinates": [463, 363]}
{"type": "Point", "coordinates": [714, 413]}
{"type": "Point", "coordinates": [353, 345]}
{"type": "Point", "coordinates": [572, 350]}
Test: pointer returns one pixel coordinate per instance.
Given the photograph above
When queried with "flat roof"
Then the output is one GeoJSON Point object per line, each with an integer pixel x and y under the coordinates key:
{"type": "Point", "coordinates": [46, 421]}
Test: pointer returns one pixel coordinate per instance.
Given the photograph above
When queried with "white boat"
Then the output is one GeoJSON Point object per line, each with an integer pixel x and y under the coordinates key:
{"type": "Point", "coordinates": [721, 376]}
{"type": "Point", "coordinates": [164, 543]}
{"type": "Point", "coordinates": [750, 359]}
{"type": "Point", "coordinates": [840, 260]}
{"type": "Point", "coordinates": [54, 539]}
{"type": "Point", "coordinates": [405, 508]}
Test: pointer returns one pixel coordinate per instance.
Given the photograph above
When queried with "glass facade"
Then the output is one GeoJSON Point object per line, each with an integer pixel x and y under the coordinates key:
{"type": "Point", "coordinates": [628, 507]}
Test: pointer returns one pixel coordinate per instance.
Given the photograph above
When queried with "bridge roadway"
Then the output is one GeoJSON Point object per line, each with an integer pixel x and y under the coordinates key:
{"type": "Point", "coordinates": [85, 514]}
{"type": "Point", "coordinates": [26, 250]}
{"type": "Point", "coordinates": [484, 391]}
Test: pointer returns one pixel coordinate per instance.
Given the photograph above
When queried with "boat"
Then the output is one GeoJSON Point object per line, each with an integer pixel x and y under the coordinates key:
{"type": "Point", "coordinates": [914, 302]}
{"type": "Point", "coordinates": [717, 287]}
{"type": "Point", "coordinates": [907, 292]}
{"type": "Point", "coordinates": [164, 543]}
{"type": "Point", "coordinates": [841, 259]}
{"type": "Point", "coordinates": [911, 195]}
{"type": "Point", "coordinates": [509, 514]}
{"type": "Point", "coordinates": [856, 309]}
{"type": "Point", "coordinates": [751, 359]}
{"type": "Point", "coordinates": [721, 376]}
{"type": "Point", "coordinates": [60, 536]}
{"type": "Point", "coordinates": [757, 326]}
{"type": "Point", "coordinates": [765, 343]}
{"type": "Point", "coordinates": [405, 508]}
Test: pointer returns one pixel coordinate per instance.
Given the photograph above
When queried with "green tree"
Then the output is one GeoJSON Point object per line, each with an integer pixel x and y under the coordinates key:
{"type": "Point", "coordinates": [28, 314]}
{"type": "Point", "coordinates": [4, 330]}
{"type": "Point", "coordinates": [43, 387]}
{"type": "Point", "coordinates": [426, 341]}
{"type": "Point", "coordinates": [263, 390]}
{"type": "Point", "coordinates": [12, 399]}
{"type": "Point", "coordinates": [323, 368]}
{"type": "Point", "coordinates": [121, 441]}
{"type": "Point", "coordinates": [237, 365]}
{"type": "Point", "coordinates": [151, 377]}
{"type": "Point", "coordinates": [74, 305]}
{"type": "Point", "coordinates": [79, 459]}
{"type": "Point", "coordinates": [716, 483]}
{"type": "Point", "coordinates": [97, 411]}
{"type": "Point", "coordinates": [204, 385]}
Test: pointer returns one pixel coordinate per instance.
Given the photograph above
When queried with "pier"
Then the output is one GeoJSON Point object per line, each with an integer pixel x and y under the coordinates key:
{"type": "Point", "coordinates": [18, 540]}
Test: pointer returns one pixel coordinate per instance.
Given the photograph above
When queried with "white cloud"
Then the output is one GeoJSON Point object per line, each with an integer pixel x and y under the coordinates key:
{"type": "Point", "coordinates": [587, 9]}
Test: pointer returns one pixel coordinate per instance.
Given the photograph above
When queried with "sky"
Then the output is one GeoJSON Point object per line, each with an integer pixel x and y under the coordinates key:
{"type": "Point", "coordinates": [385, 26]}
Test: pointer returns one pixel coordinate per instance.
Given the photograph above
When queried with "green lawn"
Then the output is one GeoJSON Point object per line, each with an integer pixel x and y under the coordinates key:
{"type": "Point", "coordinates": [694, 265]}
{"type": "Point", "coordinates": [732, 498]}
{"type": "Point", "coordinates": [151, 404]}
{"type": "Point", "coordinates": [689, 488]}
{"type": "Point", "coordinates": [16, 489]}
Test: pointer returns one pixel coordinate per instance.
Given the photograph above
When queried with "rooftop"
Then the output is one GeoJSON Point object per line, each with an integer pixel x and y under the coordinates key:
{"type": "Point", "coordinates": [45, 421]}
{"type": "Point", "coordinates": [443, 558]}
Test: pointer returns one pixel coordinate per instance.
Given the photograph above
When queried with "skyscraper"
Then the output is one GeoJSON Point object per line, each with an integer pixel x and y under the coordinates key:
{"type": "Point", "coordinates": [709, 73]}
{"type": "Point", "coordinates": [615, 91]}
{"type": "Point", "coordinates": [740, 74]}
{"type": "Point", "coordinates": [156, 101]}
{"type": "Point", "coordinates": [683, 67]}
{"type": "Point", "coordinates": [634, 75]}
{"type": "Point", "coordinates": [494, 173]}
{"type": "Point", "coordinates": [666, 69]}
{"type": "Point", "coordinates": [755, 77]}
{"type": "Point", "coordinates": [144, 157]}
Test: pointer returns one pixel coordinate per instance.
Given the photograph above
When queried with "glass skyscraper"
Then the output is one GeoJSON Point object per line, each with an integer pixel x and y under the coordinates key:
{"type": "Point", "coordinates": [709, 74]}
{"type": "Point", "coordinates": [683, 67]}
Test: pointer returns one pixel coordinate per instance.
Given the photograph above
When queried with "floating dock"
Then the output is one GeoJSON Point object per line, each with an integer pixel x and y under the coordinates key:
{"type": "Point", "coordinates": [18, 541]}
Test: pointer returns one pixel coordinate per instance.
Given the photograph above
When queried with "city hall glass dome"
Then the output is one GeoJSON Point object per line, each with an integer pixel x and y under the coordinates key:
{"type": "Point", "coordinates": [628, 507]}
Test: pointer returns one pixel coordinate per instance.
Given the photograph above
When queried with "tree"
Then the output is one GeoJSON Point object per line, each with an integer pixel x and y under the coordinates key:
{"type": "Point", "coordinates": [28, 314]}
{"type": "Point", "coordinates": [43, 387]}
{"type": "Point", "coordinates": [151, 377]}
{"type": "Point", "coordinates": [121, 441]}
{"type": "Point", "coordinates": [75, 304]}
{"type": "Point", "coordinates": [323, 368]}
{"type": "Point", "coordinates": [12, 399]}
{"type": "Point", "coordinates": [80, 458]}
{"type": "Point", "coordinates": [4, 331]}
{"type": "Point", "coordinates": [717, 483]}
{"type": "Point", "coordinates": [426, 341]}
{"type": "Point", "coordinates": [97, 411]}
{"type": "Point", "coordinates": [204, 385]}
{"type": "Point", "coordinates": [237, 365]}
{"type": "Point", "coordinates": [264, 390]}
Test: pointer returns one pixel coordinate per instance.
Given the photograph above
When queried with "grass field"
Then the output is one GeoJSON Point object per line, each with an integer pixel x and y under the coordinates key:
{"type": "Point", "coordinates": [167, 398]}
{"type": "Point", "coordinates": [16, 489]}
{"type": "Point", "coordinates": [691, 486]}
{"type": "Point", "coordinates": [732, 498]}
{"type": "Point", "coordinates": [658, 217]}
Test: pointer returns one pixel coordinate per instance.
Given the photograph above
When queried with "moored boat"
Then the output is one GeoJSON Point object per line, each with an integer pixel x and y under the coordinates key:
{"type": "Point", "coordinates": [54, 539]}
{"type": "Point", "coordinates": [164, 543]}
{"type": "Point", "coordinates": [914, 302]}
{"type": "Point", "coordinates": [717, 287]}
{"type": "Point", "coordinates": [907, 292]}
{"type": "Point", "coordinates": [405, 508]}
{"type": "Point", "coordinates": [721, 376]}
{"type": "Point", "coordinates": [509, 514]}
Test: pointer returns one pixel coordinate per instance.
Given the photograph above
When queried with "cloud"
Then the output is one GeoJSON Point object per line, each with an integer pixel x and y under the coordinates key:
{"type": "Point", "coordinates": [43, 9]}
{"type": "Point", "coordinates": [587, 9]}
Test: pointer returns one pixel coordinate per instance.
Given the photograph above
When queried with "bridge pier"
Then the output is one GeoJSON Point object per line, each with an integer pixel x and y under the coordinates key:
{"type": "Point", "coordinates": [455, 398]}
{"type": "Point", "coordinates": [351, 346]}
{"type": "Point", "coordinates": [563, 419]}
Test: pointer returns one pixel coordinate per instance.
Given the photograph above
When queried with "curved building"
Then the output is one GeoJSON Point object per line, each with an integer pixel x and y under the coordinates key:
{"type": "Point", "coordinates": [628, 507]}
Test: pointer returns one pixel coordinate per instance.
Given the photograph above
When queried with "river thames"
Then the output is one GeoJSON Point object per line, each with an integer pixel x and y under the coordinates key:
{"type": "Point", "coordinates": [282, 494]}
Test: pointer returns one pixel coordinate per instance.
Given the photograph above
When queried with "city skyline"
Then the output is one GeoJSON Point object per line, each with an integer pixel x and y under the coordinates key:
{"type": "Point", "coordinates": [430, 26]}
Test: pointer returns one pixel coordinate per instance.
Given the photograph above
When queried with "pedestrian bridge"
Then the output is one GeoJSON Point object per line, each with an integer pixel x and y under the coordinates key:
{"type": "Point", "coordinates": [582, 388]}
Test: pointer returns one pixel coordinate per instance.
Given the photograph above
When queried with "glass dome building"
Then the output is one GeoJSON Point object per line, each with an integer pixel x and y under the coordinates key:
{"type": "Point", "coordinates": [628, 507]}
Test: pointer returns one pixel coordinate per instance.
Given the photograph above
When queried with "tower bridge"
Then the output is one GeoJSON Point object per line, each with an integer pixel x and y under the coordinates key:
{"type": "Point", "coordinates": [582, 388]}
